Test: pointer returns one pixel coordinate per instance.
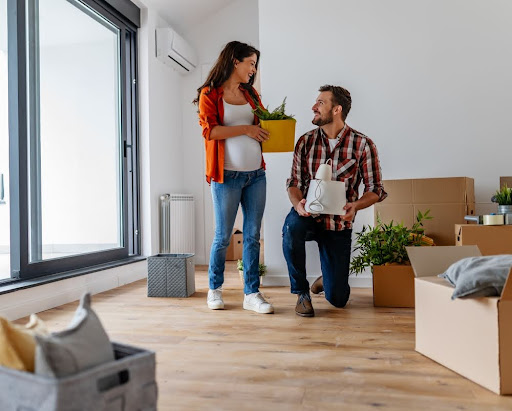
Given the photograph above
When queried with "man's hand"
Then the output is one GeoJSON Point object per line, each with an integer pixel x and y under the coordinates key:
{"type": "Point", "coordinates": [350, 212]}
{"type": "Point", "coordinates": [300, 208]}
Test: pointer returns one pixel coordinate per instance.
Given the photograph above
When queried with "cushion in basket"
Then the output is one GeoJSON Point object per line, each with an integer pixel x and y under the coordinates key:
{"type": "Point", "coordinates": [82, 345]}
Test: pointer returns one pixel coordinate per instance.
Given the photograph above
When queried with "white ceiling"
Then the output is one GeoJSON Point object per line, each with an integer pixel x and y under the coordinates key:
{"type": "Point", "coordinates": [182, 14]}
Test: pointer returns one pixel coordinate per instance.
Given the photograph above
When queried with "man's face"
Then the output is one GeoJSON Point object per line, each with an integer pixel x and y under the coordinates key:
{"type": "Point", "coordinates": [322, 109]}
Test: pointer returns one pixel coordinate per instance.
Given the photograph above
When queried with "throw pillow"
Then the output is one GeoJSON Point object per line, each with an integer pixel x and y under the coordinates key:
{"type": "Point", "coordinates": [82, 345]}
{"type": "Point", "coordinates": [479, 276]}
{"type": "Point", "coordinates": [17, 343]}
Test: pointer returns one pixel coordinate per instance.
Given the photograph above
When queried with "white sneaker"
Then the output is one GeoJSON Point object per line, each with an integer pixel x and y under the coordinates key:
{"type": "Point", "coordinates": [214, 299]}
{"type": "Point", "coordinates": [256, 302]}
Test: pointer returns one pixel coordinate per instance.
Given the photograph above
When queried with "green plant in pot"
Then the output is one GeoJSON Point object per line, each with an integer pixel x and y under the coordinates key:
{"type": "Point", "coordinates": [281, 127]}
{"type": "Point", "coordinates": [240, 267]}
{"type": "Point", "coordinates": [383, 249]}
{"type": "Point", "coordinates": [385, 244]}
{"type": "Point", "coordinates": [504, 199]}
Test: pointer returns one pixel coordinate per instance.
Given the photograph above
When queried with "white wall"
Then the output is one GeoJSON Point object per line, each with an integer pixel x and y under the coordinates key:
{"type": "Point", "coordinates": [237, 21]}
{"type": "Point", "coordinates": [161, 142]}
{"type": "Point", "coordinates": [430, 83]}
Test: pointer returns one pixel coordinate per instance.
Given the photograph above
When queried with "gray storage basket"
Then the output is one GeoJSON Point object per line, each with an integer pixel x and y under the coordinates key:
{"type": "Point", "coordinates": [171, 275]}
{"type": "Point", "coordinates": [86, 391]}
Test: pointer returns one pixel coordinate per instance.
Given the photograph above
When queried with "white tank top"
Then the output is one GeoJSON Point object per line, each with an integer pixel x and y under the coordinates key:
{"type": "Point", "coordinates": [241, 153]}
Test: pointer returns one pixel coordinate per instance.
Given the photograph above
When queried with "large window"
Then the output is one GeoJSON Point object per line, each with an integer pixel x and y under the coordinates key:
{"type": "Point", "coordinates": [72, 135]}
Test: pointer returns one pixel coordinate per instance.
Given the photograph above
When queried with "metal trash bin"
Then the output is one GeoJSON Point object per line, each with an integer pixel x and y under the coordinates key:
{"type": "Point", "coordinates": [171, 275]}
{"type": "Point", "coordinates": [88, 390]}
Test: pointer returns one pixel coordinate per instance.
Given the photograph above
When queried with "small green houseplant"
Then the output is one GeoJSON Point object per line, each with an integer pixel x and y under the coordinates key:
{"type": "Point", "coordinates": [383, 249]}
{"type": "Point", "coordinates": [240, 267]}
{"type": "Point", "coordinates": [503, 196]}
{"type": "Point", "coordinates": [504, 199]}
{"type": "Point", "coordinates": [277, 114]}
{"type": "Point", "coordinates": [281, 127]}
{"type": "Point", "coordinates": [385, 244]}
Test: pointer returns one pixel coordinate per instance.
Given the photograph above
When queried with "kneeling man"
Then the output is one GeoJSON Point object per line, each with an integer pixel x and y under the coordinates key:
{"type": "Point", "coordinates": [354, 160]}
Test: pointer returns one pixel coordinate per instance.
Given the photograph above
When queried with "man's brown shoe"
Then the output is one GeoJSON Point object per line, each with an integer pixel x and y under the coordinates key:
{"type": "Point", "coordinates": [304, 308]}
{"type": "Point", "coordinates": [318, 286]}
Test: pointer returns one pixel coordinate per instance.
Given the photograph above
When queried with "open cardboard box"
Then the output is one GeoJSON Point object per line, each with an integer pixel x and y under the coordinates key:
{"type": "Point", "coordinates": [471, 336]}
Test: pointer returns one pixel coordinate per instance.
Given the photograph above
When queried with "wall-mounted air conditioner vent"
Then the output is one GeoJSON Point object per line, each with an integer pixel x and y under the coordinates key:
{"type": "Point", "coordinates": [174, 51]}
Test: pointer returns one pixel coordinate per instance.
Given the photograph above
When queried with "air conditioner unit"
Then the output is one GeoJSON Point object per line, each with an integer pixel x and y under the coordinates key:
{"type": "Point", "coordinates": [174, 51]}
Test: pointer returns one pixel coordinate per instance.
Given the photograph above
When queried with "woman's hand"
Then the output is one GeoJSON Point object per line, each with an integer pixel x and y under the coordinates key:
{"type": "Point", "coordinates": [257, 133]}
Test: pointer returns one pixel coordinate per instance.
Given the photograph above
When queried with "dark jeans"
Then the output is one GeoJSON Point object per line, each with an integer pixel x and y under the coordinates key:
{"type": "Point", "coordinates": [334, 247]}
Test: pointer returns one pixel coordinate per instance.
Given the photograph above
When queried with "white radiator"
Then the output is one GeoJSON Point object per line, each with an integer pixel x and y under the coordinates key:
{"type": "Point", "coordinates": [177, 228]}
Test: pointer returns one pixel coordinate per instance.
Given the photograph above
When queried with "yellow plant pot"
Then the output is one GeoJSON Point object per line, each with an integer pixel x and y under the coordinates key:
{"type": "Point", "coordinates": [282, 135]}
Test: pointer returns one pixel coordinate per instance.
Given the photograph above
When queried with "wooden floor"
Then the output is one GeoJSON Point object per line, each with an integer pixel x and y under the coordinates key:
{"type": "Point", "coordinates": [358, 358]}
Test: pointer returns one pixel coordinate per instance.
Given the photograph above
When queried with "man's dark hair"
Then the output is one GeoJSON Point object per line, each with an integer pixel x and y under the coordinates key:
{"type": "Point", "coordinates": [341, 97]}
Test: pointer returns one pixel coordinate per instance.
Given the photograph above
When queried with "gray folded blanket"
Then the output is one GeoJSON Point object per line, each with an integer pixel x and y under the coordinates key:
{"type": "Point", "coordinates": [479, 276]}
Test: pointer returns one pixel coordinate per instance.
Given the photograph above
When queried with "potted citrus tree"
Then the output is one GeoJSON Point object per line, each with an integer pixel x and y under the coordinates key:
{"type": "Point", "coordinates": [383, 249]}
{"type": "Point", "coordinates": [504, 199]}
{"type": "Point", "coordinates": [240, 266]}
{"type": "Point", "coordinates": [281, 127]}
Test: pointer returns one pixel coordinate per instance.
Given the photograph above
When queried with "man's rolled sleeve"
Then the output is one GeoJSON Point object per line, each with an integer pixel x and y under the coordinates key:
{"type": "Point", "coordinates": [371, 171]}
{"type": "Point", "coordinates": [296, 175]}
{"type": "Point", "coordinates": [208, 113]}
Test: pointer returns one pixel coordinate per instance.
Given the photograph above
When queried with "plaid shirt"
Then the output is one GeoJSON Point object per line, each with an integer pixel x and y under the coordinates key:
{"type": "Point", "coordinates": [354, 158]}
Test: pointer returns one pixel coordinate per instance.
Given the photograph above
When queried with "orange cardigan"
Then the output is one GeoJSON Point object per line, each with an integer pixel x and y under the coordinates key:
{"type": "Point", "coordinates": [211, 114]}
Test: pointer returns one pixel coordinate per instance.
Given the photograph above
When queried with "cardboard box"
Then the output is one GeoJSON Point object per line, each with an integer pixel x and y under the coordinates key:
{"type": "Point", "coordinates": [505, 180]}
{"type": "Point", "coordinates": [236, 247]}
{"type": "Point", "coordinates": [471, 336]}
{"type": "Point", "coordinates": [448, 199]}
{"type": "Point", "coordinates": [490, 239]}
{"type": "Point", "coordinates": [393, 286]}
{"type": "Point", "coordinates": [440, 228]}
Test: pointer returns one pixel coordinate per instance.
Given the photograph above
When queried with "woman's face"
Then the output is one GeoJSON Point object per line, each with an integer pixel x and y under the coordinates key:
{"type": "Point", "coordinates": [246, 68]}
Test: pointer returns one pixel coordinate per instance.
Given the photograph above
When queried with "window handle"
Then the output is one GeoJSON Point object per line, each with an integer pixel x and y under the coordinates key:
{"type": "Point", "coordinates": [2, 189]}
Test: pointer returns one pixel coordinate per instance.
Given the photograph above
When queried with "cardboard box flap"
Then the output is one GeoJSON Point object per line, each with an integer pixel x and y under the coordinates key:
{"type": "Point", "coordinates": [506, 294]}
{"type": "Point", "coordinates": [429, 261]}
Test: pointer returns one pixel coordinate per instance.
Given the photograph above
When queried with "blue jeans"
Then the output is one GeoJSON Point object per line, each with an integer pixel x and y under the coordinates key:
{"type": "Point", "coordinates": [247, 188]}
{"type": "Point", "coordinates": [334, 247]}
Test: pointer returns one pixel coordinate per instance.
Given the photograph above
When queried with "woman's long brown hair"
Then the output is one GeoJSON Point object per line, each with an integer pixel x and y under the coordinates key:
{"type": "Point", "coordinates": [225, 65]}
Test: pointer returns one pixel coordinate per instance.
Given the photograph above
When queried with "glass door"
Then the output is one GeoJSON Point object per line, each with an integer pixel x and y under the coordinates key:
{"type": "Point", "coordinates": [75, 143]}
{"type": "Point", "coordinates": [5, 266]}
{"type": "Point", "coordinates": [68, 144]}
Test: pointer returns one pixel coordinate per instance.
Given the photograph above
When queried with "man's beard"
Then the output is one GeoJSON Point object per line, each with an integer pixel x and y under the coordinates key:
{"type": "Point", "coordinates": [322, 121]}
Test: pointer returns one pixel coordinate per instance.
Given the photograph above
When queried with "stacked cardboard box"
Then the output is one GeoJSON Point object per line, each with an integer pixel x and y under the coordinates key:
{"type": "Point", "coordinates": [448, 199]}
{"type": "Point", "coordinates": [505, 180]}
{"type": "Point", "coordinates": [490, 239]}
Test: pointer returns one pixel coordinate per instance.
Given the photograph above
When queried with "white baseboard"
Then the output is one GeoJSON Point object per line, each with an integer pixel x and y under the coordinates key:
{"type": "Point", "coordinates": [24, 302]}
{"type": "Point", "coordinates": [280, 280]}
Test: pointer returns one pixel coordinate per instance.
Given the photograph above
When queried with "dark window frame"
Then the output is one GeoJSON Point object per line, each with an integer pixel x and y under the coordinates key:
{"type": "Point", "coordinates": [19, 135]}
